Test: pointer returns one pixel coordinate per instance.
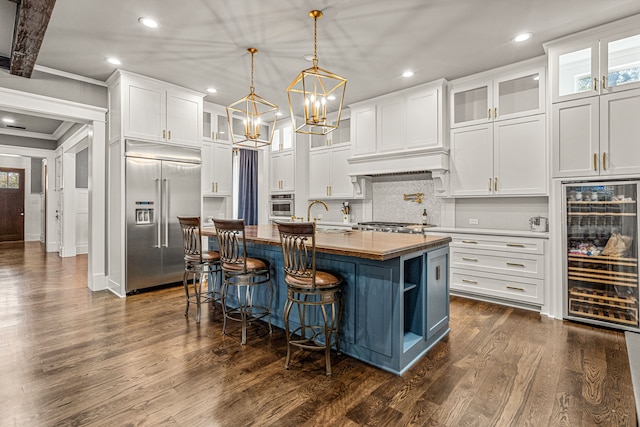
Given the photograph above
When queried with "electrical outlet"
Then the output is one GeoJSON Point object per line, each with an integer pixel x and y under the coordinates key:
{"type": "Point", "coordinates": [473, 221]}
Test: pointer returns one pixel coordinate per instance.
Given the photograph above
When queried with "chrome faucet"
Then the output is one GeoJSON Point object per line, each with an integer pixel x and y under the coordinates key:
{"type": "Point", "coordinates": [313, 203]}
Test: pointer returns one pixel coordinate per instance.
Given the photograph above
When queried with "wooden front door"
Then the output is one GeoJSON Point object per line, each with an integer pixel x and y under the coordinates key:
{"type": "Point", "coordinates": [11, 204]}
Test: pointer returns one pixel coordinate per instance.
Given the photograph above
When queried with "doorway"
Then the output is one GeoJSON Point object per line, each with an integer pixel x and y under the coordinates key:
{"type": "Point", "coordinates": [11, 204]}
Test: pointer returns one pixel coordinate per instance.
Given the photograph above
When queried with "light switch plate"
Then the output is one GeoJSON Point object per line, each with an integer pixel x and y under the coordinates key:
{"type": "Point", "coordinates": [473, 221]}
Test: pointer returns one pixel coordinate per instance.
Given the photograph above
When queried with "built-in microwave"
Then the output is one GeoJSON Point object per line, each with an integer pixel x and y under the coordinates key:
{"type": "Point", "coordinates": [281, 205]}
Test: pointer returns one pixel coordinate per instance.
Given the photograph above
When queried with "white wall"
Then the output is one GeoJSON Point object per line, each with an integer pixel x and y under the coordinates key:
{"type": "Point", "coordinates": [508, 213]}
{"type": "Point", "coordinates": [32, 202]}
{"type": "Point", "coordinates": [82, 220]}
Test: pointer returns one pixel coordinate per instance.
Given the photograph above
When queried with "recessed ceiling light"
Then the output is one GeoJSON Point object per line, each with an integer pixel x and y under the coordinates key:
{"type": "Point", "coordinates": [308, 57]}
{"type": "Point", "coordinates": [211, 90]}
{"type": "Point", "coordinates": [522, 37]}
{"type": "Point", "coordinates": [148, 22]}
{"type": "Point", "coordinates": [407, 73]}
{"type": "Point", "coordinates": [8, 120]}
{"type": "Point", "coordinates": [537, 77]}
{"type": "Point", "coordinates": [278, 114]}
{"type": "Point", "coordinates": [331, 98]}
{"type": "Point", "coordinates": [114, 61]}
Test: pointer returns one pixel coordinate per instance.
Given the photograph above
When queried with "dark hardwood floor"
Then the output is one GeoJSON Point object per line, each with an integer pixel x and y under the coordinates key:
{"type": "Point", "coordinates": [72, 357]}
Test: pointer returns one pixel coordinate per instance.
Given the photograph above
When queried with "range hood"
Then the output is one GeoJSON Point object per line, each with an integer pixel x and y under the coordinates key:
{"type": "Point", "coordinates": [434, 160]}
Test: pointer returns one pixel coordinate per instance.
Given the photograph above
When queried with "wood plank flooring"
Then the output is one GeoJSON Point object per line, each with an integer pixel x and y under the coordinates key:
{"type": "Point", "coordinates": [72, 357]}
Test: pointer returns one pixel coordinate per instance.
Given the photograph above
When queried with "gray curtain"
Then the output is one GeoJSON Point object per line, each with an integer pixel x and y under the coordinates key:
{"type": "Point", "coordinates": [248, 187]}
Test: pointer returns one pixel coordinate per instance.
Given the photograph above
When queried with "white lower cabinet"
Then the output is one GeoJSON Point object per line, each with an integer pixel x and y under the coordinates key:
{"type": "Point", "coordinates": [328, 173]}
{"type": "Point", "coordinates": [498, 267]}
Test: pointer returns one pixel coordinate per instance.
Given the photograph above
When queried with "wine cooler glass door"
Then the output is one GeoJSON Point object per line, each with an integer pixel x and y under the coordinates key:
{"type": "Point", "coordinates": [602, 253]}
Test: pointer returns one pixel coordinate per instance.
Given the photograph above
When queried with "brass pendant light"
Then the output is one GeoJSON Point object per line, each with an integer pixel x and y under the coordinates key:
{"type": "Point", "coordinates": [256, 114]}
{"type": "Point", "coordinates": [313, 91]}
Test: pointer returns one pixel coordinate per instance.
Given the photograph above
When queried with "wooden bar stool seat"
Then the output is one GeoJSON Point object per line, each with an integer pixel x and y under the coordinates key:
{"type": "Point", "coordinates": [243, 273]}
{"type": "Point", "coordinates": [307, 288]}
{"type": "Point", "coordinates": [198, 264]}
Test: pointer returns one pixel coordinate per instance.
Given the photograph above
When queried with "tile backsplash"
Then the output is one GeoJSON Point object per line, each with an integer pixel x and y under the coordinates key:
{"type": "Point", "coordinates": [389, 203]}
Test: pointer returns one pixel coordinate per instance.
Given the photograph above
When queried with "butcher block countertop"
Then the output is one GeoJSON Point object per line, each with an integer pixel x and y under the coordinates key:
{"type": "Point", "coordinates": [361, 244]}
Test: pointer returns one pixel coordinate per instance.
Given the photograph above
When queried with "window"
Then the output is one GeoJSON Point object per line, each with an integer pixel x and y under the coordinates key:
{"type": "Point", "coordinates": [10, 180]}
{"type": "Point", "coordinates": [627, 73]}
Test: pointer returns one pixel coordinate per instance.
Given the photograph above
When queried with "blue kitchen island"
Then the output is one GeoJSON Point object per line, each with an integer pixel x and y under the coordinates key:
{"type": "Point", "coordinates": [395, 294]}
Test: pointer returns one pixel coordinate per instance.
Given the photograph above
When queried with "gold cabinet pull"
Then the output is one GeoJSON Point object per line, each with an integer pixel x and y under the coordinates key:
{"type": "Point", "coordinates": [213, 135]}
{"type": "Point", "coordinates": [213, 187]}
{"type": "Point", "coordinates": [604, 82]}
{"type": "Point", "coordinates": [495, 184]}
{"type": "Point", "coordinates": [495, 113]}
{"type": "Point", "coordinates": [469, 241]}
{"type": "Point", "coordinates": [515, 245]}
{"type": "Point", "coordinates": [216, 187]}
{"type": "Point", "coordinates": [489, 114]}
{"type": "Point", "coordinates": [595, 161]}
{"type": "Point", "coordinates": [470, 259]}
{"type": "Point", "coordinates": [169, 134]}
{"type": "Point", "coordinates": [330, 191]}
{"type": "Point", "coordinates": [164, 134]}
{"type": "Point", "coordinates": [515, 264]}
{"type": "Point", "coordinates": [470, 281]}
{"type": "Point", "coordinates": [604, 161]}
{"type": "Point", "coordinates": [513, 288]}
{"type": "Point", "coordinates": [489, 184]}
{"type": "Point", "coordinates": [595, 83]}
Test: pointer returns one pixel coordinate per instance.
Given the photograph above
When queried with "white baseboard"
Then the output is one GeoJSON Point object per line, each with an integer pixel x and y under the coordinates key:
{"type": "Point", "coordinates": [32, 237]}
{"type": "Point", "coordinates": [82, 248]}
{"type": "Point", "coordinates": [98, 282]}
{"type": "Point", "coordinates": [52, 247]}
{"type": "Point", "coordinates": [116, 288]}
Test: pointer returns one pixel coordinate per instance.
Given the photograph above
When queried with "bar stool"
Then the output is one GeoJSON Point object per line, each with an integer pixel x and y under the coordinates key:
{"type": "Point", "coordinates": [242, 272]}
{"type": "Point", "coordinates": [307, 287]}
{"type": "Point", "coordinates": [197, 263]}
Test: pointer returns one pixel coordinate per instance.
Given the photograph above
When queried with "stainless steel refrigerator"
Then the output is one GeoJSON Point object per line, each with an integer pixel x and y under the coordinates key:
{"type": "Point", "coordinates": [162, 182]}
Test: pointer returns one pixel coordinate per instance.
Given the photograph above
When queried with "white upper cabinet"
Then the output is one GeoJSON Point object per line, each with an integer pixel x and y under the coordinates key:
{"type": "Point", "coordinates": [498, 133]}
{"type": "Point", "coordinates": [595, 86]}
{"type": "Point", "coordinates": [283, 138]}
{"type": "Point", "coordinates": [216, 169]}
{"type": "Point", "coordinates": [342, 135]}
{"type": "Point", "coordinates": [215, 125]}
{"type": "Point", "coordinates": [597, 136]}
{"type": "Point", "coordinates": [505, 97]}
{"type": "Point", "coordinates": [157, 111]}
{"type": "Point", "coordinates": [401, 122]}
{"type": "Point", "coordinates": [605, 62]}
{"type": "Point", "coordinates": [328, 173]}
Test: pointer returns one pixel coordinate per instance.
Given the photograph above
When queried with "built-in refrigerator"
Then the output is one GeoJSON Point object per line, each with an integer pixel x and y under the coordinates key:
{"type": "Point", "coordinates": [161, 182]}
{"type": "Point", "coordinates": [601, 253]}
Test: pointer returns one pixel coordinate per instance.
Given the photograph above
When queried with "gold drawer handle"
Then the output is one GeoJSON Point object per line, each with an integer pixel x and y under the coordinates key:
{"type": "Point", "coordinates": [595, 161]}
{"type": "Point", "coordinates": [604, 161]}
{"type": "Point", "coordinates": [515, 245]}
{"type": "Point", "coordinates": [470, 281]}
{"type": "Point", "coordinates": [469, 241]}
{"type": "Point", "coordinates": [469, 259]}
{"type": "Point", "coordinates": [515, 289]}
{"type": "Point", "coordinates": [514, 264]}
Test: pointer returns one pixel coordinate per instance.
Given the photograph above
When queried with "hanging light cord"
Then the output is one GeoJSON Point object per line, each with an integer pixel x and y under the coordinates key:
{"type": "Point", "coordinates": [315, 41]}
{"type": "Point", "coordinates": [252, 88]}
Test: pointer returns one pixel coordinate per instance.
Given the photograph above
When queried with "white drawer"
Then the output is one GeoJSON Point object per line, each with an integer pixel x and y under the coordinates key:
{"type": "Point", "coordinates": [519, 264]}
{"type": "Point", "coordinates": [514, 288]}
{"type": "Point", "coordinates": [500, 243]}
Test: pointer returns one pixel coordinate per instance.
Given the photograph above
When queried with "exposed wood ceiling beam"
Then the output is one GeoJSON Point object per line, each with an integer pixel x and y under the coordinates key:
{"type": "Point", "coordinates": [32, 21]}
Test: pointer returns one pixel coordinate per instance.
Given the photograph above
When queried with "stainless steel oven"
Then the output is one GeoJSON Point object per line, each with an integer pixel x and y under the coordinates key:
{"type": "Point", "coordinates": [281, 205]}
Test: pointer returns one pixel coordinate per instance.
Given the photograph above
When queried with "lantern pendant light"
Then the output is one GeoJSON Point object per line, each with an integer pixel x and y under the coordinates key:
{"type": "Point", "coordinates": [255, 114]}
{"type": "Point", "coordinates": [312, 93]}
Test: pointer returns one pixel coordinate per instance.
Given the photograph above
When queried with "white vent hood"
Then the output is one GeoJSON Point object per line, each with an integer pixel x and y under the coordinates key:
{"type": "Point", "coordinates": [401, 132]}
{"type": "Point", "coordinates": [435, 160]}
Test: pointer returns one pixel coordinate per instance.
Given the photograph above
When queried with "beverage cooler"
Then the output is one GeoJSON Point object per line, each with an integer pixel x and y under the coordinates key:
{"type": "Point", "coordinates": [601, 250]}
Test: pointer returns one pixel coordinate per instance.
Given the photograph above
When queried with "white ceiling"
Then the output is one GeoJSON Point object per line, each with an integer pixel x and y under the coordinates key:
{"type": "Point", "coordinates": [202, 43]}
